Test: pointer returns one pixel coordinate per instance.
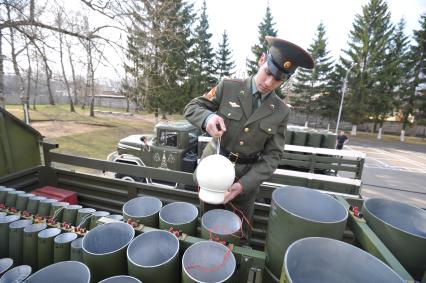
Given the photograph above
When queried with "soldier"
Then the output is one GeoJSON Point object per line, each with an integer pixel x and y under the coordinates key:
{"type": "Point", "coordinates": [250, 119]}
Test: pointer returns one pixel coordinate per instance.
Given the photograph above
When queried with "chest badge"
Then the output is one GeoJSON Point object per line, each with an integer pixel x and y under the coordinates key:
{"type": "Point", "coordinates": [233, 104]}
{"type": "Point", "coordinates": [272, 106]}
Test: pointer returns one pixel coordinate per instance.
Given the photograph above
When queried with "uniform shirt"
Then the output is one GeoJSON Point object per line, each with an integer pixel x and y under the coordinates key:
{"type": "Point", "coordinates": [248, 133]}
{"type": "Point", "coordinates": [255, 92]}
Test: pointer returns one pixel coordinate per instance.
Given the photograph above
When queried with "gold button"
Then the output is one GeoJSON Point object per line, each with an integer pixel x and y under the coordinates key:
{"type": "Point", "coordinates": [269, 130]}
{"type": "Point", "coordinates": [241, 143]}
{"type": "Point", "coordinates": [229, 114]}
{"type": "Point", "coordinates": [246, 130]}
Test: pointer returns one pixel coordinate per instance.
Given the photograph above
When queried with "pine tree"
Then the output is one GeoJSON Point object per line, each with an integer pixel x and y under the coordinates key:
{"type": "Point", "coordinates": [329, 101]}
{"type": "Point", "coordinates": [224, 63]}
{"type": "Point", "coordinates": [158, 46]}
{"type": "Point", "coordinates": [394, 75]}
{"type": "Point", "coordinates": [413, 99]}
{"type": "Point", "coordinates": [203, 69]}
{"type": "Point", "coordinates": [310, 85]}
{"type": "Point", "coordinates": [369, 36]}
{"type": "Point", "coordinates": [266, 27]}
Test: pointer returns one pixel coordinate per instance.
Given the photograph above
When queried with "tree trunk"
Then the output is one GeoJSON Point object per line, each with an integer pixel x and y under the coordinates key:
{"type": "Point", "coordinates": [17, 72]}
{"type": "Point", "coordinates": [36, 82]}
{"type": "Point", "coordinates": [379, 134]}
{"type": "Point", "coordinates": [353, 132]}
{"type": "Point", "coordinates": [48, 77]}
{"type": "Point", "coordinates": [2, 100]}
{"type": "Point", "coordinates": [402, 136]}
{"type": "Point", "coordinates": [27, 97]}
{"type": "Point", "coordinates": [67, 85]}
{"type": "Point", "coordinates": [74, 81]}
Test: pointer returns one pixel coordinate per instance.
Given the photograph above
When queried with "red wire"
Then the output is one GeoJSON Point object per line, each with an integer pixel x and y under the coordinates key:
{"type": "Point", "coordinates": [215, 268]}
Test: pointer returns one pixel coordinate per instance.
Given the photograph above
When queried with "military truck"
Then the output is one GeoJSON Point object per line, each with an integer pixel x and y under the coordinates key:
{"type": "Point", "coordinates": [177, 145]}
{"type": "Point", "coordinates": [174, 146]}
{"type": "Point", "coordinates": [21, 168]}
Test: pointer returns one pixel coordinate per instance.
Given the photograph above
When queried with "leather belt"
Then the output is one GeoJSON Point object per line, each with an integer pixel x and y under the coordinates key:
{"type": "Point", "coordinates": [238, 158]}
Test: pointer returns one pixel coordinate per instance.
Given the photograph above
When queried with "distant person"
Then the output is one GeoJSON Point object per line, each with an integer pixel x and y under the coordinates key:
{"type": "Point", "coordinates": [341, 140]}
{"type": "Point", "coordinates": [145, 144]}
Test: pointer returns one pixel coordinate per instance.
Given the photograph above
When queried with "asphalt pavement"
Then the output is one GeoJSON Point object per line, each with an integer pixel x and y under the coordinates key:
{"type": "Point", "coordinates": [393, 170]}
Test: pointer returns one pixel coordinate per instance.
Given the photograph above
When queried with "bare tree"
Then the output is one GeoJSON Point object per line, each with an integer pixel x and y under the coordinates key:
{"type": "Point", "coordinates": [2, 102]}
{"type": "Point", "coordinates": [25, 23]}
{"type": "Point", "coordinates": [59, 21]}
{"type": "Point", "coordinates": [14, 55]}
{"type": "Point", "coordinates": [37, 73]}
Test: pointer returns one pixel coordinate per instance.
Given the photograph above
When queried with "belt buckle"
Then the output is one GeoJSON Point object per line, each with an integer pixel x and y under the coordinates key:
{"type": "Point", "coordinates": [232, 155]}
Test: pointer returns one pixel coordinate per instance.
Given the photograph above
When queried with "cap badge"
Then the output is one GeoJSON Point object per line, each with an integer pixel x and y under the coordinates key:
{"type": "Point", "coordinates": [287, 64]}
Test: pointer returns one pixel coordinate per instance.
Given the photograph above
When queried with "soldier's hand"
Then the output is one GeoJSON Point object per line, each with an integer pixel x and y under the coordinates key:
{"type": "Point", "coordinates": [233, 191]}
{"type": "Point", "coordinates": [215, 126]}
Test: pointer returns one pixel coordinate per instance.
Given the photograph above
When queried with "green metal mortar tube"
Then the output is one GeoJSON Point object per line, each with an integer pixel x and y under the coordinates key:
{"type": "Point", "coordinates": [121, 279]}
{"type": "Point", "coordinates": [62, 272]}
{"type": "Point", "coordinates": [222, 224]}
{"type": "Point", "coordinates": [314, 139]}
{"type": "Point", "coordinates": [62, 246]}
{"type": "Point", "coordinates": [296, 213]}
{"type": "Point", "coordinates": [104, 249]}
{"type": "Point", "coordinates": [402, 228]}
{"type": "Point", "coordinates": [70, 214]}
{"type": "Point", "coordinates": [329, 141]}
{"type": "Point", "coordinates": [17, 274]}
{"type": "Point", "coordinates": [4, 234]}
{"type": "Point", "coordinates": [3, 193]}
{"type": "Point", "coordinates": [45, 246]}
{"type": "Point", "coordinates": [180, 216]}
{"type": "Point", "coordinates": [30, 244]}
{"type": "Point", "coordinates": [77, 249]}
{"type": "Point", "coordinates": [11, 198]}
{"type": "Point", "coordinates": [57, 210]}
{"type": "Point", "coordinates": [5, 264]}
{"type": "Point", "coordinates": [22, 201]}
{"type": "Point", "coordinates": [317, 259]}
{"type": "Point", "coordinates": [208, 261]}
{"type": "Point", "coordinates": [154, 257]}
{"type": "Point", "coordinates": [44, 207]}
{"type": "Point", "coordinates": [16, 237]}
{"type": "Point", "coordinates": [33, 203]}
{"type": "Point", "coordinates": [83, 217]}
{"type": "Point", "coordinates": [95, 216]}
{"type": "Point", "coordinates": [144, 210]}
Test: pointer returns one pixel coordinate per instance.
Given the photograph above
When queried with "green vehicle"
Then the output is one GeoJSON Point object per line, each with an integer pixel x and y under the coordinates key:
{"type": "Point", "coordinates": [21, 168]}
{"type": "Point", "coordinates": [174, 146]}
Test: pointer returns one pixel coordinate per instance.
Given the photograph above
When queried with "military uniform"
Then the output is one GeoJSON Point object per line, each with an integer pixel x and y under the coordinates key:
{"type": "Point", "coordinates": [254, 140]}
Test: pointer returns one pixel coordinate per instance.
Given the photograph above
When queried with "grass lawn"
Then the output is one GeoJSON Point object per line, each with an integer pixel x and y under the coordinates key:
{"type": "Point", "coordinates": [102, 132]}
{"type": "Point", "coordinates": [99, 140]}
{"type": "Point", "coordinates": [390, 138]}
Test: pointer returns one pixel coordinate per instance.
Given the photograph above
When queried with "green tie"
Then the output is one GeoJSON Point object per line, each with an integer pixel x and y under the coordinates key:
{"type": "Point", "coordinates": [256, 100]}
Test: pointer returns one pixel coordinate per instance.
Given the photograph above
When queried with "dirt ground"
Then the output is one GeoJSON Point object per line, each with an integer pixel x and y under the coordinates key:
{"type": "Point", "coordinates": [55, 129]}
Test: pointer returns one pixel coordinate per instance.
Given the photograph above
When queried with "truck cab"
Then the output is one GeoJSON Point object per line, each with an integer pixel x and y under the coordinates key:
{"type": "Point", "coordinates": [173, 146]}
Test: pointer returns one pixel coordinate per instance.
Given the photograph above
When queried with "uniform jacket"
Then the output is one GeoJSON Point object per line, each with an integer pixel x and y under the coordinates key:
{"type": "Point", "coordinates": [259, 133]}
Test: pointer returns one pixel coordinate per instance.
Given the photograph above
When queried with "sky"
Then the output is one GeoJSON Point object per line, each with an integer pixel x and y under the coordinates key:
{"type": "Point", "coordinates": [296, 21]}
